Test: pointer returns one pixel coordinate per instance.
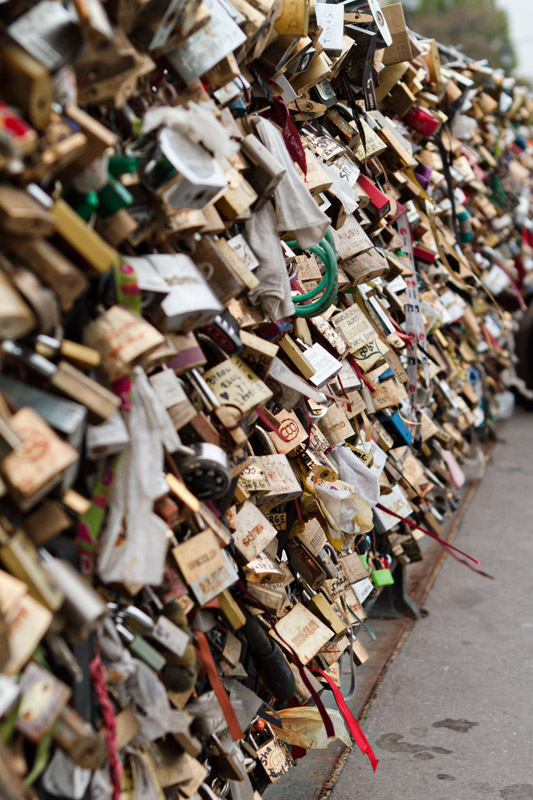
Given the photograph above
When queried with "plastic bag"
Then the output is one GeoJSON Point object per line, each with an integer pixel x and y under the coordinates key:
{"type": "Point", "coordinates": [274, 289]}
{"type": "Point", "coordinates": [474, 464]}
{"type": "Point", "coordinates": [504, 404]}
{"type": "Point", "coordinates": [296, 210]}
{"type": "Point", "coordinates": [156, 715]}
{"type": "Point", "coordinates": [353, 471]}
{"type": "Point", "coordinates": [133, 544]}
{"type": "Point", "coordinates": [303, 727]}
{"type": "Point", "coordinates": [197, 121]}
{"type": "Point", "coordinates": [346, 513]}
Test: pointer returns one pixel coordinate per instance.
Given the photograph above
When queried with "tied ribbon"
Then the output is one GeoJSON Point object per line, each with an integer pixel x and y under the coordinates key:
{"type": "Point", "coordinates": [353, 726]}
{"type": "Point", "coordinates": [97, 672]}
{"type": "Point", "coordinates": [266, 422]}
{"type": "Point", "coordinates": [328, 725]}
{"type": "Point", "coordinates": [279, 113]}
{"type": "Point", "coordinates": [360, 374]}
{"type": "Point", "coordinates": [428, 533]}
{"type": "Point", "coordinates": [203, 652]}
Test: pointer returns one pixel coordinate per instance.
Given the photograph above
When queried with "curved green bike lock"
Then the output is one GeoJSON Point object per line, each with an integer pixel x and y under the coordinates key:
{"type": "Point", "coordinates": [329, 285]}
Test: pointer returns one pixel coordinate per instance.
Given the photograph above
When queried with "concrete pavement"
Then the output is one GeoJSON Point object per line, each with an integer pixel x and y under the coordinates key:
{"type": "Point", "coordinates": [453, 717]}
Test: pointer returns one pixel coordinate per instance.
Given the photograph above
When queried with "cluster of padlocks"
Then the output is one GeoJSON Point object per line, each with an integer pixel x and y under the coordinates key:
{"type": "Point", "coordinates": [261, 264]}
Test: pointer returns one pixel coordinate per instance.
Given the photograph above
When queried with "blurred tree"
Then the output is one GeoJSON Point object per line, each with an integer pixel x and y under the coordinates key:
{"type": "Point", "coordinates": [478, 26]}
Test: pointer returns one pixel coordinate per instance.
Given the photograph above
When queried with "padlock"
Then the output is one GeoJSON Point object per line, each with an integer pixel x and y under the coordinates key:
{"type": "Point", "coordinates": [83, 607]}
{"type": "Point", "coordinates": [75, 384]}
{"type": "Point", "coordinates": [272, 754]}
{"type": "Point", "coordinates": [141, 648]}
{"type": "Point", "coordinates": [206, 472]}
{"type": "Point", "coordinates": [80, 740]}
{"type": "Point", "coordinates": [224, 762]}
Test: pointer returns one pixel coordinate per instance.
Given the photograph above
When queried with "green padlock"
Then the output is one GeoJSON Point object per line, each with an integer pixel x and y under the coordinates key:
{"type": "Point", "coordinates": [141, 648]}
{"type": "Point", "coordinates": [382, 577]}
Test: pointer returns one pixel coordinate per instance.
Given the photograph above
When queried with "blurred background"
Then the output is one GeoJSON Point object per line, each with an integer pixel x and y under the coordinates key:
{"type": "Point", "coordinates": [499, 30]}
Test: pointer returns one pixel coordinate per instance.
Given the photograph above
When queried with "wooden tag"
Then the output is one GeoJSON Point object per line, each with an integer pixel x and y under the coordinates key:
{"type": "Point", "coordinates": [335, 425]}
{"type": "Point", "coordinates": [303, 631]}
{"type": "Point", "coordinates": [16, 318]}
{"type": "Point", "coordinates": [359, 652]}
{"type": "Point", "coordinates": [371, 353]}
{"type": "Point", "coordinates": [395, 501]}
{"type": "Point", "coordinates": [284, 485]}
{"type": "Point", "coordinates": [350, 240]}
{"type": "Point", "coordinates": [275, 759]}
{"type": "Point", "coordinates": [198, 556]}
{"type": "Point", "coordinates": [27, 623]}
{"type": "Point", "coordinates": [212, 584]}
{"type": "Point", "coordinates": [41, 458]}
{"type": "Point", "coordinates": [332, 651]}
{"type": "Point", "coordinates": [253, 532]}
{"type": "Point", "coordinates": [307, 268]}
{"type": "Point", "coordinates": [173, 397]}
{"type": "Point", "coordinates": [278, 519]}
{"type": "Point", "coordinates": [233, 382]}
{"type": "Point", "coordinates": [291, 429]}
{"type": "Point", "coordinates": [323, 609]}
{"type": "Point", "coordinates": [257, 352]}
{"type": "Point", "coordinates": [336, 587]}
{"type": "Point", "coordinates": [122, 338]}
{"type": "Point", "coordinates": [355, 327]}
{"type": "Point", "coordinates": [43, 699]}
{"type": "Point", "coordinates": [353, 568]}
{"type": "Point", "coordinates": [312, 536]}
{"type": "Point", "coordinates": [253, 477]}
{"type": "Point", "coordinates": [264, 569]}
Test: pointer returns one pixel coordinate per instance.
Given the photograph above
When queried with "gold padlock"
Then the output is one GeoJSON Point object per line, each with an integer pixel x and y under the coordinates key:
{"type": "Point", "coordinates": [273, 754]}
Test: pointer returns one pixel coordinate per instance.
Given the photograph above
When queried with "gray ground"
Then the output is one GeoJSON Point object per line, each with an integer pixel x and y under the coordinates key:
{"type": "Point", "coordinates": [453, 716]}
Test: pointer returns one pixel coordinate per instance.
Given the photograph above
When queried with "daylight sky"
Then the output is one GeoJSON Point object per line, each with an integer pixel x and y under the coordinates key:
{"type": "Point", "coordinates": [521, 19]}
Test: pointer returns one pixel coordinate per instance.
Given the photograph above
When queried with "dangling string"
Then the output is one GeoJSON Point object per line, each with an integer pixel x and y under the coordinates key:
{"type": "Point", "coordinates": [343, 390]}
{"type": "Point", "coordinates": [432, 535]}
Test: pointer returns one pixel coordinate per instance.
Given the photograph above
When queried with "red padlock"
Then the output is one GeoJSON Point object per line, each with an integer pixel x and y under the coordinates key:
{"type": "Point", "coordinates": [422, 120]}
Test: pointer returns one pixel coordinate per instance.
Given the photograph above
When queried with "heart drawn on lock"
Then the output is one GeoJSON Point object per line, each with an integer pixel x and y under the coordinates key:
{"type": "Point", "coordinates": [224, 395]}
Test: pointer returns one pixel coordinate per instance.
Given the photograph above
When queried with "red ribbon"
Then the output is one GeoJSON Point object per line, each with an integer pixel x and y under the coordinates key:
{"type": "Point", "coordinates": [328, 725]}
{"type": "Point", "coordinates": [266, 422]}
{"type": "Point", "coordinates": [279, 114]}
{"type": "Point", "coordinates": [353, 726]}
{"type": "Point", "coordinates": [353, 363]}
{"type": "Point", "coordinates": [428, 533]}
{"type": "Point", "coordinates": [203, 652]}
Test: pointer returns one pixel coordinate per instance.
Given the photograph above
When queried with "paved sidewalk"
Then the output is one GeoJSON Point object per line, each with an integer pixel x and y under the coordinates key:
{"type": "Point", "coordinates": [453, 716]}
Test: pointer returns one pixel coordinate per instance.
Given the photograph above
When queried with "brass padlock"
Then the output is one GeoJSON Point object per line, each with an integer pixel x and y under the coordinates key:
{"type": "Point", "coordinates": [272, 753]}
{"type": "Point", "coordinates": [225, 763]}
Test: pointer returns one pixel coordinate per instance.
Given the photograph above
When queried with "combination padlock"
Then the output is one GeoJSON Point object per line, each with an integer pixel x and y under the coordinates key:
{"type": "Point", "coordinates": [207, 472]}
